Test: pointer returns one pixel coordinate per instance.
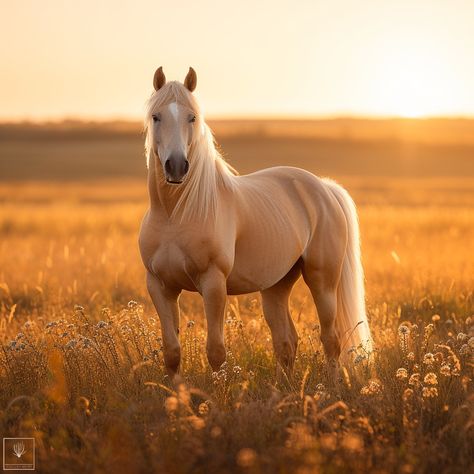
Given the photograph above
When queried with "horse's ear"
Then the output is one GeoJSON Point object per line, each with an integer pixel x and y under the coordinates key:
{"type": "Point", "coordinates": [191, 80]}
{"type": "Point", "coordinates": [159, 79]}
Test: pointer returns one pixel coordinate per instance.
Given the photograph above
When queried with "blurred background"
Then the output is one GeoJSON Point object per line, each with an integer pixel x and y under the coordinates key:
{"type": "Point", "coordinates": [376, 94]}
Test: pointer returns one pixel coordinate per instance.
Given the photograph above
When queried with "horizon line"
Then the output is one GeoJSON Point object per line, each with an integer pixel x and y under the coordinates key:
{"type": "Point", "coordinates": [227, 117]}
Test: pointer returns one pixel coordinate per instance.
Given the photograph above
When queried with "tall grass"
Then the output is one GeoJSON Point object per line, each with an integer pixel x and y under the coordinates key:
{"type": "Point", "coordinates": [81, 365]}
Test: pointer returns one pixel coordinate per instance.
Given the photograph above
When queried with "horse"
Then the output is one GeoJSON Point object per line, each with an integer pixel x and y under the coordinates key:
{"type": "Point", "coordinates": [213, 231]}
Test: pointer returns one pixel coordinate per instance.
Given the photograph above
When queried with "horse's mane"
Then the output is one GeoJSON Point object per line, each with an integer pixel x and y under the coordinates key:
{"type": "Point", "coordinates": [208, 168]}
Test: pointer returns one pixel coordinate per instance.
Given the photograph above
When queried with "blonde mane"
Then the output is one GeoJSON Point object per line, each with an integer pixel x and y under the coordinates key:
{"type": "Point", "coordinates": [208, 169]}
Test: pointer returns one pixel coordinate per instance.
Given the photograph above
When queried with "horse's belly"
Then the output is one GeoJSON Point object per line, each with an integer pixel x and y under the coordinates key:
{"type": "Point", "coordinates": [259, 271]}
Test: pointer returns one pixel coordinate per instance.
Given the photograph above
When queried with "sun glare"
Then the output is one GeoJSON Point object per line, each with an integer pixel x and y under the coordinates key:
{"type": "Point", "coordinates": [411, 83]}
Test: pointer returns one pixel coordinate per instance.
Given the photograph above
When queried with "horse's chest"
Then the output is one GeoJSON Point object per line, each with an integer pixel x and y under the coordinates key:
{"type": "Point", "coordinates": [169, 262]}
{"type": "Point", "coordinates": [179, 259]}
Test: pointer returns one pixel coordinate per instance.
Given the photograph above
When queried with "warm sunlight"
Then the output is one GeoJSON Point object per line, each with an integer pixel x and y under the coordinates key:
{"type": "Point", "coordinates": [413, 81]}
{"type": "Point", "coordinates": [314, 58]}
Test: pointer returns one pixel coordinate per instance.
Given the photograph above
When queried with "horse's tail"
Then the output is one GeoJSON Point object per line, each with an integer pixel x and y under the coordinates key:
{"type": "Point", "coordinates": [351, 320]}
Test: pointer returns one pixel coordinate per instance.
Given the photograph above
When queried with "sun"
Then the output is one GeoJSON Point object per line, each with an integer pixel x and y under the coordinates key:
{"type": "Point", "coordinates": [410, 83]}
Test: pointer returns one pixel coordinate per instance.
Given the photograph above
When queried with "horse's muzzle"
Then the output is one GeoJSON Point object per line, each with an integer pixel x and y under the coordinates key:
{"type": "Point", "coordinates": [176, 168]}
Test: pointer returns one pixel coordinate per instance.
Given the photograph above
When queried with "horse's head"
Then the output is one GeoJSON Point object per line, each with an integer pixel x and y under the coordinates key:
{"type": "Point", "coordinates": [173, 124]}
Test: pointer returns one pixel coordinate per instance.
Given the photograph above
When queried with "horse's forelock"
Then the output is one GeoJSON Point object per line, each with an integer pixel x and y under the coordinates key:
{"type": "Point", "coordinates": [171, 92]}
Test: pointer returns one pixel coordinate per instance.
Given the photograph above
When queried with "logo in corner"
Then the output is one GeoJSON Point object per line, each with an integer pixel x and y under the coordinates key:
{"type": "Point", "coordinates": [18, 454]}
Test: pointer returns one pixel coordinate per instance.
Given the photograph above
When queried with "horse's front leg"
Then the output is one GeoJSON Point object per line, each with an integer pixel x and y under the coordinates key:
{"type": "Point", "coordinates": [214, 292]}
{"type": "Point", "coordinates": [165, 301]}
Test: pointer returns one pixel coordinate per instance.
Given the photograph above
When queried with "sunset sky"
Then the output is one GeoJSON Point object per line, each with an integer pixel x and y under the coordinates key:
{"type": "Point", "coordinates": [96, 59]}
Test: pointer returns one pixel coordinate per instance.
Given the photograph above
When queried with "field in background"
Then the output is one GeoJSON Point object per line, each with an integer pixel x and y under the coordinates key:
{"type": "Point", "coordinates": [341, 147]}
{"type": "Point", "coordinates": [87, 381]}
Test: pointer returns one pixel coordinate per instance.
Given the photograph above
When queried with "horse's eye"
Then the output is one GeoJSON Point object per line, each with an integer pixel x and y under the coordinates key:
{"type": "Point", "coordinates": [192, 119]}
{"type": "Point", "coordinates": [156, 118]}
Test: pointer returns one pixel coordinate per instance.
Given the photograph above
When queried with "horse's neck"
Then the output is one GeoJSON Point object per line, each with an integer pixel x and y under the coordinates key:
{"type": "Point", "coordinates": [163, 197]}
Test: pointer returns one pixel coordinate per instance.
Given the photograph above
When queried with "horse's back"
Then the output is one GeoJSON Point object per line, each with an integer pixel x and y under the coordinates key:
{"type": "Point", "coordinates": [285, 190]}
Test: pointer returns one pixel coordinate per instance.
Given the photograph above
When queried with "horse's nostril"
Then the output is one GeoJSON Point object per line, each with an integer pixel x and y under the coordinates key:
{"type": "Point", "coordinates": [168, 166]}
{"type": "Point", "coordinates": [186, 166]}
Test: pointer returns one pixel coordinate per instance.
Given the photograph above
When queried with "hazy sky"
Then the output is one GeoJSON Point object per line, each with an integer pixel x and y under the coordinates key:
{"type": "Point", "coordinates": [96, 58]}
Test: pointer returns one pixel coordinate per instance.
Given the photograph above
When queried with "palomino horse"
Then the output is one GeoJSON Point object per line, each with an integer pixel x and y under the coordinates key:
{"type": "Point", "coordinates": [211, 231]}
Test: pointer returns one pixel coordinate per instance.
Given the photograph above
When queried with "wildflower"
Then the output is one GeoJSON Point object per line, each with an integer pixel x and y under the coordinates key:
{"type": "Point", "coordinates": [320, 387]}
{"type": "Point", "coordinates": [429, 328]}
{"type": "Point", "coordinates": [407, 394]}
{"type": "Point", "coordinates": [86, 343]}
{"type": "Point", "coordinates": [237, 370]}
{"type": "Point", "coordinates": [328, 442]}
{"type": "Point", "coordinates": [403, 330]}
{"type": "Point", "coordinates": [352, 442]}
{"type": "Point", "coordinates": [196, 422]}
{"type": "Point", "coordinates": [431, 379]}
{"type": "Point", "coordinates": [71, 344]}
{"type": "Point", "coordinates": [401, 374]}
{"type": "Point", "coordinates": [83, 403]}
{"type": "Point", "coordinates": [246, 457]}
{"type": "Point", "coordinates": [171, 404]}
{"type": "Point", "coordinates": [465, 350]}
{"type": "Point", "coordinates": [455, 363]}
{"type": "Point", "coordinates": [203, 409]}
{"type": "Point", "coordinates": [445, 370]}
{"type": "Point", "coordinates": [429, 392]}
{"type": "Point", "coordinates": [411, 356]}
{"type": "Point", "coordinates": [428, 359]}
{"type": "Point", "coordinates": [132, 304]}
{"type": "Point", "coordinates": [415, 379]}
{"type": "Point", "coordinates": [372, 388]}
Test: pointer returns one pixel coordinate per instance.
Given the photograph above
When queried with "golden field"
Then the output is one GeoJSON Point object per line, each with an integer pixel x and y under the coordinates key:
{"type": "Point", "coordinates": [81, 365]}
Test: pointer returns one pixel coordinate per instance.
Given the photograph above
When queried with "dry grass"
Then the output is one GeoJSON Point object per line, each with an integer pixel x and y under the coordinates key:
{"type": "Point", "coordinates": [88, 383]}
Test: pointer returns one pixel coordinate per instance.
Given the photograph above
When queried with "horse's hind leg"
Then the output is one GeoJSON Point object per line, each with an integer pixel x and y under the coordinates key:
{"type": "Point", "coordinates": [323, 285]}
{"type": "Point", "coordinates": [277, 314]}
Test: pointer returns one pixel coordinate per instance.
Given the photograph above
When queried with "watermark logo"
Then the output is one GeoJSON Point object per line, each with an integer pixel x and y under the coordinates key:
{"type": "Point", "coordinates": [18, 454]}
